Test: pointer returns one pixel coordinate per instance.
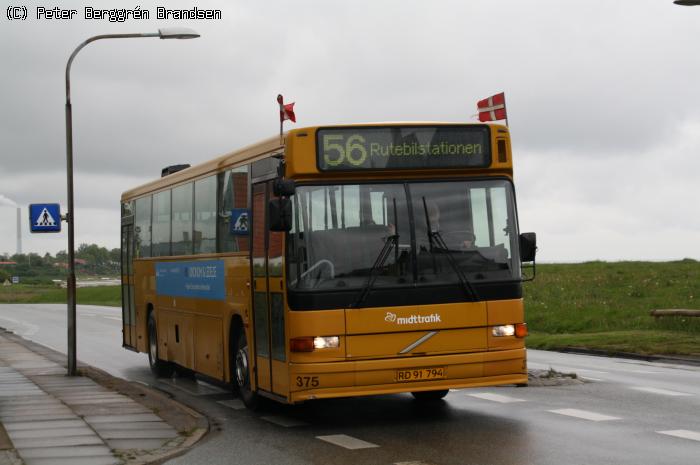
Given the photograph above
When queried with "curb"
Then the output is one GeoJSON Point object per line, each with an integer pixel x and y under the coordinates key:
{"type": "Point", "coordinates": [684, 360]}
{"type": "Point", "coordinates": [190, 424]}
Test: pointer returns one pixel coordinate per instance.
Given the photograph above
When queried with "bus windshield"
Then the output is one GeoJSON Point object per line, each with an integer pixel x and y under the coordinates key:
{"type": "Point", "coordinates": [402, 234]}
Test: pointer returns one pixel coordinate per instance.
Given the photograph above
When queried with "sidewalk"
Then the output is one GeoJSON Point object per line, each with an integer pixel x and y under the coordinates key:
{"type": "Point", "coordinates": [50, 418]}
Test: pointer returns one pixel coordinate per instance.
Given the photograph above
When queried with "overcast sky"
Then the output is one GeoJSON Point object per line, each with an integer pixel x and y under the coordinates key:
{"type": "Point", "coordinates": [602, 95]}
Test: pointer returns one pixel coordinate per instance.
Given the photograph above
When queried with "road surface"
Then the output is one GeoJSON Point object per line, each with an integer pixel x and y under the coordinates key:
{"type": "Point", "coordinates": [626, 412]}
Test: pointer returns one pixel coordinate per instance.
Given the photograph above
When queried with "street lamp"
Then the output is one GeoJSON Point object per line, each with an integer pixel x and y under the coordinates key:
{"type": "Point", "coordinates": [165, 33]}
{"type": "Point", "coordinates": [687, 2]}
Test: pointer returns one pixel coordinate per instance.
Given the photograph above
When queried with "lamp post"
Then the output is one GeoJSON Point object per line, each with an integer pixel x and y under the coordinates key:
{"type": "Point", "coordinates": [166, 33]}
{"type": "Point", "coordinates": [687, 2]}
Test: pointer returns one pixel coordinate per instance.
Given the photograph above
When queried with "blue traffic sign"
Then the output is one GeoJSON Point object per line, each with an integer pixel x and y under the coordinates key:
{"type": "Point", "coordinates": [44, 217]}
{"type": "Point", "coordinates": [239, 221]}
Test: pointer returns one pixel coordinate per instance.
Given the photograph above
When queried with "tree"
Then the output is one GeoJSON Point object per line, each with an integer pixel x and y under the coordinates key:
{"type": "Point", "coordinates": [20, 259]}
{"type": "Point", "coordinates": [34, 259]}
{"type": "Point", "coordinates": [115, 255]}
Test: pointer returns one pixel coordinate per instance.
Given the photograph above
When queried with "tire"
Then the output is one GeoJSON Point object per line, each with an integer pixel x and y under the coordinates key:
{"type": "Point", "coordinates": [241, 371]}
{"type": "Point", "coordinates": [159, 367]}
{"type": "Point", "coordinates": [426, 396]}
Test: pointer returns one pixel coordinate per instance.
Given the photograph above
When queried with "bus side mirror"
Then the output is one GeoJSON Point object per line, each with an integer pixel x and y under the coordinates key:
{"type": "Point", "coordinates": [280, 214]}
{"type": "Point", "coordinates": [284, 187]}
{"type": "Point", "coordinates": [528, 247]}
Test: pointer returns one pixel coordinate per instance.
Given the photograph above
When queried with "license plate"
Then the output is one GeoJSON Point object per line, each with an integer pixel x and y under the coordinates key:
{"type": "Point", "coordinates": [420, 374]}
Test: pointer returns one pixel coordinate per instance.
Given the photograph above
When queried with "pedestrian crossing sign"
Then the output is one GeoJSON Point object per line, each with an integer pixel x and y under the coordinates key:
{"type": "Point", "coordinates": [44, 217]}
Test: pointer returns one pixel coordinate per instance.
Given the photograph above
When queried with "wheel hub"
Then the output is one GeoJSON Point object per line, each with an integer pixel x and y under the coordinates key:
{"type": "Point", "coordinates": [242, 366]}
{"type": "Point", "coordinates": [153, 348]}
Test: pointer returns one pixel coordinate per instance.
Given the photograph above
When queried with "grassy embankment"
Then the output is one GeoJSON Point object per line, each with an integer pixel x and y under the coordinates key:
{"type": "Point", "coordinates": [599, 305]}
{"type": "Point", "coordinates": [595, 305]}
{"type": "Point", "coordinates": [35, 293]}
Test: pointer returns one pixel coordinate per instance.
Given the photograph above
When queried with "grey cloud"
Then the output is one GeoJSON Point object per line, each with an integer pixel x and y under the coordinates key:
{"type": "Point", "coordinates": [587, 84]}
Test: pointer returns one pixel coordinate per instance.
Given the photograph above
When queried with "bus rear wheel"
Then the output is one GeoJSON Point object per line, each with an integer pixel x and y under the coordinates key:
{"type": "Point", "coordinates": [241, 373]}
{"type": "Point", "coordinates": [159, 367]}
{"type": "Point", "coordinates": [430, 395]}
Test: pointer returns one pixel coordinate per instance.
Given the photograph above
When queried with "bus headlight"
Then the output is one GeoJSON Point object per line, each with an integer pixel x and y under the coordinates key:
{"type": "Point", "coordinates": [309, 343]}
{"type": "Point", "coordinates": [518, 330]}
{"type": "Point", "coordinates": [503, 330]}
{"type": "Point", "coordinates": [328, 342]}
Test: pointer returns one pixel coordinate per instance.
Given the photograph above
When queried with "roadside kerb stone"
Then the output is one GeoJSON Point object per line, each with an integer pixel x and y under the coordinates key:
{"type": "Point", "coordinates": [39, 408]}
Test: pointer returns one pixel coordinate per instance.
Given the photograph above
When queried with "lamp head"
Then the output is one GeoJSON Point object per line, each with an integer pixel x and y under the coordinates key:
{"type": "Point", "coordinates": [177, 33]}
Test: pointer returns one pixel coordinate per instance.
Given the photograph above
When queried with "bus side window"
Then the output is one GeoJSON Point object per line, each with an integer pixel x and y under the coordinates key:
{"type": "Point", "coordinates": [205, 215]}
{"type": "Point", "coordinates": [233, 188]}
{"type": "Point", "coordinates": [161, 224]}
{"type": "Point", "coordinates": [142, 227]}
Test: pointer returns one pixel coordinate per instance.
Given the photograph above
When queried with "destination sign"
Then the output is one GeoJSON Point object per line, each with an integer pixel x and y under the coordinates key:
{"type": "Point", "coordinates": [403, 147]}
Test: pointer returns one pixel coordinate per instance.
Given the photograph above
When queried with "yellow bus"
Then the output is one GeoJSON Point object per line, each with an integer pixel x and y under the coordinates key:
{"type": "Point", "coordinates": [333, 261]}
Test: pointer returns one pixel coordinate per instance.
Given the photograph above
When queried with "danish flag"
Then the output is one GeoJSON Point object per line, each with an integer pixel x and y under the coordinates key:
{"type": "Point", "coordinates": [286, 111]}
{"type": "Point", "coordinates": [492, 108]}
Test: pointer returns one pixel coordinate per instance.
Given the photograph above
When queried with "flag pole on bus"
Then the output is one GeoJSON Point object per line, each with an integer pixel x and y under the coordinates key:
{"type": "Point", "coordinates": [493, 108]}
{"type": "Point", "coordinates": [286, 112]}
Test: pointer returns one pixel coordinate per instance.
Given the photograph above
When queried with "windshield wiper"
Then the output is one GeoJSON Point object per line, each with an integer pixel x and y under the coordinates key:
{"type": "Point", "coordinates": [389, 244]}
{"type": "Point", "coordinates": [436, 237]}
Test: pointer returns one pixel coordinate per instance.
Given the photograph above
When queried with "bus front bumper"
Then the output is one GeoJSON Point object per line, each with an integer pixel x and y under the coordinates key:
{"type": "Point", "coordinates": [371, 377]}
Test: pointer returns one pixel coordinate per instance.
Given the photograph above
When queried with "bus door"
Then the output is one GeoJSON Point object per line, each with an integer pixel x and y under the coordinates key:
{"type": "Point", "coordinates": [128, 306]}
{"type": "Point", "coordinates": [268, 297]}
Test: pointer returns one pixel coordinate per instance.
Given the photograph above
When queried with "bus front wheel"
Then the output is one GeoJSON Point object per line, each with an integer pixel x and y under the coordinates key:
{"type": "Point", "coordinates": [430, 395]}
{"type": "Point", "coordinates": [159, 367]}
{"type": "Point", "coordinates": [242, 371]}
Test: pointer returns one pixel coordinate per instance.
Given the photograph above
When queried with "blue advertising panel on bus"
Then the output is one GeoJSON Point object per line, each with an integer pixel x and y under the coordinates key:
{"type": "Point", "coordinates": [196, 279]}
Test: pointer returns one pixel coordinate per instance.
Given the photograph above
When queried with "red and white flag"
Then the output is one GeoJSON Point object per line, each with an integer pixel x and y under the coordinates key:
{"type": "Point", "coordinates": [286, 111]}
{"type": "Point", "coordinates": [492, 108]}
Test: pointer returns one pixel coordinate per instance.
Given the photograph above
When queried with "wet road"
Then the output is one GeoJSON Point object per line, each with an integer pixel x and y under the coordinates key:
{"type": "Point", "coordinates": [627, 411]}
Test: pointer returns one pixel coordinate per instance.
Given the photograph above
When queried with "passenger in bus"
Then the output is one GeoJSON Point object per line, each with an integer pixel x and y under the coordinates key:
{"type": "Point", "coordinates": [469, 240]}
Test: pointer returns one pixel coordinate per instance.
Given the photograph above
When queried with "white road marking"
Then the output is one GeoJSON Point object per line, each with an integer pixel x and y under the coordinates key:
{"type": "Point", "coordinates": [346, 441]}
{"type": "Point", "coordinates": [496, 397]}
{"type": "Point", "coordinates": [682, 433]}
{"type": "Point", "coordinates": [286, 422]}
{"type": "Point", "coordinates": [663, 392]}
{"type": "Point", "coordinates": [588, 378]}
{"type": "Point", "coordinates": [585, 414]}
{"type": "Point", "coordinates": [235, 404]}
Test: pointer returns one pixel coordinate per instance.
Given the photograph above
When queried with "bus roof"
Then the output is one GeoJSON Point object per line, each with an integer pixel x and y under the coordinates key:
{"type": "Point", "coordinates": [264, 149]}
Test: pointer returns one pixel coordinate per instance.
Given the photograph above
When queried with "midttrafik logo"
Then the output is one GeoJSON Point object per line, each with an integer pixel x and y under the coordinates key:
{"type": "Point", "coordinates": [413, 319]}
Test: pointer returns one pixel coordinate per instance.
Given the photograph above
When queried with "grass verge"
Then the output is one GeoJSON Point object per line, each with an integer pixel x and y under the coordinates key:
{"type": "Point", "coordinates": [643, 342]}
{"type": "Point", "coordinates": [24, 293]}
{"type": "Point", "coordinates": [605, 306]}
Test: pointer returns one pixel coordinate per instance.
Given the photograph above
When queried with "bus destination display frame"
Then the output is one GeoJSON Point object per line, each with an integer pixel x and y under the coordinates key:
{"type": "Point", "coordinates": [407, 147]}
